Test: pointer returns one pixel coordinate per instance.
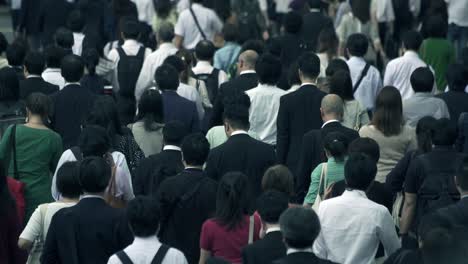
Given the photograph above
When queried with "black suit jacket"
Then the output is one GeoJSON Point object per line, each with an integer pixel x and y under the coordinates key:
{"type": "Point", "coordinates": [29, 21]}
{"type": "Point", "coordinates": [180, 109]}
{"type": "Point", "coordinates": [71, 105]}
{"type": "Point", "coordinates": [302, 258]}
{"type": "Point", "coordinates": [153, 170]}
{"type": "Point", "coordinates": [87, 233]}
{"type": "Point", "coordinates": [313, 24]}
{"type": "Point", "coordinates": [241, 83]}
{"type": "Point", "coordinates": [298, 113]}
{"type": "Point", "coordinates": [312, 154]}
{"type": "Point", "coordinates": [53, 14]}
{"type": "Point", "coordinates": [457, 103]}
{"type": "Point", "coordinates": [266, 250]}
{"type": "Point", "coordinates": [36, 85]}
{"type": "Point", "coordinates": [241, 153]}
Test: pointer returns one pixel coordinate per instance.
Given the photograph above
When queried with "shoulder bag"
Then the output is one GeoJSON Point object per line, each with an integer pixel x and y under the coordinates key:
{"type": "Point", "coordinates": [15, 186]}
{"type": "Point", "coordinates": [197, 23]}
{"type": "Point", "coordinates": [36, 251]}
{"type": "Point", "coordinates": [323, 179]}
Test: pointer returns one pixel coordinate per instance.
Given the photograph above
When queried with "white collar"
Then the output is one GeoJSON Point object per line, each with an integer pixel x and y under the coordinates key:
{"type": "Point", "coordinates": [246, 72]}
{"type": "Point", "coordinates": [91, 196]}
{"type": "Point", "coordinates": [410, 53]}
{"type": "Point", "coordinates": [203, 64]}
{"type": "Point", "coordinates": [354, 58]}
{"type": "Point", "coordinates": [145, 240]}
{"type": "Point", "coordinates": [329, 121]}
{"type": "Point", "coordinates": [166, 45]}
{"type": "Point", "coordinates": [295, 250]}
{"type": "Point", "coordinates": [52, 70]}
{"type": "Point", "coordinates": [71, 83]}
{"type": "Point", "coordinates": [172, 147]}
{"type": "Point", "coordinates": [308, 83]}
{"type": "Point", "coordinates": [315, 10]}
{"type": "Point", "coordinates": [272, 229]}
{"type": "Point", "coordinates": [239, 132]}
{"type": "Point", "coordinates": [33, 76]}
{"type": "Point", "coordinates": [354, 193]}
{"type": "Point", "coordinates": [131, 42]}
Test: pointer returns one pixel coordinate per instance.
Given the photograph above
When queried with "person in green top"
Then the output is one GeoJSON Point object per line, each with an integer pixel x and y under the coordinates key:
{"type": "Point", "coordinates": [336, 149]}
{"type": "Point", "coordinates": [38, 150]}
{"type": "Point", "coordinates": [437, 51]}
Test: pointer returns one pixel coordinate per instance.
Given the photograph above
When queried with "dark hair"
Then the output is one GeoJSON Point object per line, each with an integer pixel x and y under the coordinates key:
{"type": "Point", "coordinates": [300, 227]}
{"type": "Point", "coordinates": [143, 215]}
{"type": "Point", "coordinates": [68, 183]}
{"type": "Point", "coordinates": [150, 109]}
{"type": "Point", "coordinates": [162, 8]}
{"type": "Point", "coordinates": [271, 204]}
{"type": "Point", "coordinates": [166, 32]}
{"type": "Point", "coordinates": [232, 201]}
{"type": "Point", "coordinates": [72, 67]}
{"type": "Point", "coordinates": [412, 40]}
{"type": "Point", "coordinates": [176, 62]}
{"type": "Point", "coordinates": [34, 63]}
{"type": "Point", "coordinates": [64, 38]}
{"type": "Point", "coordinates": [268, 68]}
{"type": "Point", "coordinates": [129, 28]}
{"type": "Point", "coordinates": [53, 56]}
{"type": "Point", "coordinates": [38, 104]}
{"type": "Point", "coordinates": [328, 42]}
{"type": "Point", "coordinates": [9, 85]}
{"type": "Point", "coordinates": [174, 132]}
{"type": "Point", "coordinates": [424, 131]}
{"type": "Point", "coordinates": [361, 10]}
{"type": "Point", "coordinates": [7, 202]}
{"type": "Point", "coordinates": [255, 45]}
{"type": "Point", "coordinates": [195, 149]}
{"type": "Point", "coordinates": [231, 32]}
{"type": "Point", "coordinates": [166, 77]}
{"type": "Point", "coordinates": [188, 59]}
{"type": "Point", "coordinates": [422, 80]}
{"type": "Point", "coordinates": [360, 171]}
{"type": "Point", "coordinates": [462, 174]}
{"type": "Point", "coordinates": [95, 174]}
{"type": "Point", "coordinates": [292, 22]}
{"type": "Point", "coordinates": [388, 115]}
{"type": "Point", "coordinates": [367, 146]}
{"type": "Point", "coordinates": [445, 133]}
{"type": "Point", "coordinates": [15, 54]}
{"type": "Point", "coordinates": [205, 50]}
{"type": "Point", "coordinates": [237, 114]}
{"type": "Point", "coordinates": [309, 65]}
{"type": "Point", "coordinates": [3, 43]}
{"type": "Point", "coordinates": [104, 113]}
{"type": "Point", "coordinates": [274, 46]}
{"type": "Point", "coordinates": [337, 145]}
{"type": "Point", "coordinates": [293, 74]}
{"type": "Point", "coordinates": [441, 244]}
{"type": "Point", "coordinates": [336, 65]}
{"type": "Point", "coordinates": [457, 77]}
{"type": "Point", "coordinates": [357, 44]}
{"type": "Point", "coordinates": [317, 4]}
{"type": "Point", "coordinates": [75, 21]}
{"type": "Point", "coordinates": [91, 59]}
{"type": "Point", "coordinates": [278, 178]}
{"type": "Point", "coordinates": [436, 27]}
{"type": "Point", "coordinates": [342, 85]}
{"type": "Point", "coordinates": [94, 141]}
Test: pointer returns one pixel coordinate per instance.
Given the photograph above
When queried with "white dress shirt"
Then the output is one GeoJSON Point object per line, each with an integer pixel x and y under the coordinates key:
{"type": "Point", "coordinates": [191, 93]}
{"type": "Point", "coordinates": [187, 28]}
{"type": "Point", "coordinates": [123, 178]}
{"type": "Point", "coordinates": [151, 63]}
{"type": "Point", "coordinates": [78, 43]}
{"type": "Point", "coordinates": [265, 102]}
{"type": "Point", "coordinates": [54, 76]}
{"type": "Point", "coordinates": [424, 104]}
{"type": "Point", "coordinates": [371, 84]}
{"type": "Point", "coordinates": [383, 10]}
{"type": "Point", "coordinates": [131, 48]}
{"type": "Point", "coordinates": [145, 10]}
{"type": "Point", "coordinates": [352, 227]}
{"type": "Point", "coordinates": [282, 6]}
{"type": "Point", "coordinates": [398, 73]}
{"type": "Point", "coordinates": [457, 12]}
{"type": "Point", "coordinates": [144, 249]}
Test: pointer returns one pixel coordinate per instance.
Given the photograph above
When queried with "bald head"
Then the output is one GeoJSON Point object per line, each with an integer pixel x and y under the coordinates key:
{"type": "Point", "coordinates": [247, 60]}
{"type": "Point", "coordinates": [332, 107]}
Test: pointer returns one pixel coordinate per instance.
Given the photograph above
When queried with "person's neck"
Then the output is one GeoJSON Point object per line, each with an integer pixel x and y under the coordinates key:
{"type": "Point", "coordinates": [268, 226]}
{"type": "Point", "coordinates": [35, 120]}
{"type": "Point", "coordinates": [69, 200]}
{"type": "Point", "coordinates": [328, 118]}
{"type": "Point", "coordinates": [308, 80]}
{"type": "Point", "coordinates": [100, 194]}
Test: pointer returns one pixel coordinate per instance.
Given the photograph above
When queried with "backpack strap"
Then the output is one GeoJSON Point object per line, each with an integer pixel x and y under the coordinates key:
{"type": "Point", "coordinates": [121, 52]}
{"type": "Point", "coordinates": [197, 23]}
{"type": "Point", "coordinates": [162, 252]}
{"type": "Point", "coordinates": [141, 53]}
{"type": "Point", "coordinates": [77, 153]}
{"type": "Point", "coordinates": [361, 78]}
{"type": "Point", "coordinates": [123, 257]}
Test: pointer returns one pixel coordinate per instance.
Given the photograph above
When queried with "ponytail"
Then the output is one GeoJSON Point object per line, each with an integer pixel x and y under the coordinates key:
{"type": "Point", "coordinates": [337, 145]}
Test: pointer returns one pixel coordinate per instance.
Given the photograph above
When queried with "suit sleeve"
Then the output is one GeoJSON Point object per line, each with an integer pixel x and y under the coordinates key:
{"type": "Point", "coordinates": [50, 254]}
{"type": "Point", "coordinates": [304, 168]}
{"type": "Point", "coordinates": [210, 169]}
{"type": "Point", "coordinates": [217, 117]}
{"type": "Point", "coordinates": [282, 136]}
{"type": "Point", "coordinates": [139, 182]}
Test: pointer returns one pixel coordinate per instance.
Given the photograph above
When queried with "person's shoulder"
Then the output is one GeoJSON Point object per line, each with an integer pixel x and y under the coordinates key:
{"type": "Point", "coordinates": [311, 134]}
{"type": "Point", "coordinates": [174, 253]}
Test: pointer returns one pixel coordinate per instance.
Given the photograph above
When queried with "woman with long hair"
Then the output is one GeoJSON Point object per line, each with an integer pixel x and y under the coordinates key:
{"type": "Point", "coordinates": [227, 233]}
{"type": "Point", "coordinates": [91, 79]}
{"type": "Point", "coordinates": [389, 130]}
{"type": "Point", "coordinates": [327, 48]}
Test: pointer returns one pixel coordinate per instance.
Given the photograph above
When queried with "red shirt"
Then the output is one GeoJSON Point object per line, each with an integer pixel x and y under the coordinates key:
{"type": "Point", "coordinates": [225, 244]}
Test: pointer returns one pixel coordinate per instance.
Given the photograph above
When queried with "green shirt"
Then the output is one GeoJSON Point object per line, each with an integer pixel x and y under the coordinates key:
{"type": "Point", "coordinates": [439, 53]}
{"type": "Point", "coordinates": [335, 173]}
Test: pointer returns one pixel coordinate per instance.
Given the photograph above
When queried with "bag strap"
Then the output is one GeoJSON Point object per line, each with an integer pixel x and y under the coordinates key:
{"type": "Point", "coordinates": [13, 146]}
{"type": "Point", "coordinates": [251, 228]}
{"type": "Point", "coordinates": [197, 23]}
{"type": "Point", "coordinates": [325, 177]}
{"type": "Point", "coordinates": [43, 211]}
{"type": "Point", "coordinates": [162, 252]}
{"type": "Point", "coordinates": [123, 257]}
{"type": "Point", "coordinates": [121, 52]}
{"type": "Point", "coordinates": [363, 74]}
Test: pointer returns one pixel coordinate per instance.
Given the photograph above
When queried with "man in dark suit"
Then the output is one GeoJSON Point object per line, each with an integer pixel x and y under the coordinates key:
{"type": "Point", "coordinates": [176, 107]}
{"type": "Point", "coordinates": [246, 80]}
{"type": "Point", "coordinates": [456, 99]}
{"type": "Point", "coordinates": [34, 65]}
{"type": "Point", "coordinates": [313, 23]}
{"type": "Point", "coordinates": [15, 55]}
{"type": "Point", "coordinates": [72, 103]}
{"type": "Point", "coordinates": [270, 206]}
{"type": "Point", "coordinates": [156, 168]}
{"type": "Point", "coordinates": [300, 227]}
{"type": "Point", "coordinates": [29, 22]}
{"type": "Point", "coordinates": [312, 152]}
{"type": "Point", "coordinates": [240, 152]}
{"type": "Point", "coordinates": [187, 200]}
{"type": "Point", "coordinates": [91, 231]}
{"type": "Point", "coordinates": [299, 112]}
{"type": "Point", "coordinates": [53, 14]}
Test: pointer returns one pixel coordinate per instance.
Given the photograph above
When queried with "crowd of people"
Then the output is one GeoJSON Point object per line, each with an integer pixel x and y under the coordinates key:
{"type": "Point", "coordinates": [242, 131]}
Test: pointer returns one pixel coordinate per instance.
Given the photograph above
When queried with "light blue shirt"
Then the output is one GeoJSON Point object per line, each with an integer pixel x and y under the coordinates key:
{"type": "Point", "coordinates": [226, 56]}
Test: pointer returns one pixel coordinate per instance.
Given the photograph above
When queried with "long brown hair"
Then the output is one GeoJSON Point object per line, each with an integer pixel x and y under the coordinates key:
{"type": "Point", "coordinates": [388, 115]}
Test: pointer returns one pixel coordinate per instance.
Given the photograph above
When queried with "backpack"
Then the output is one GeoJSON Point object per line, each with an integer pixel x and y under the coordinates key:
{"type": "Point", "coordinates": [128, 71]}
{"type": "Point", "coordinates": [249, 19]}
{"type": "Point", "coordinates": [12, 117]}
{"type": "Point", "coordinates": [211, 82]}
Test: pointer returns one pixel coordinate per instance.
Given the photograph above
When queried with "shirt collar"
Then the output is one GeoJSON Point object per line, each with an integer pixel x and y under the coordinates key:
{"type": "Point", "coordinates": [410, 53]}
{"type": "Point", "coordinates": [354, 193]}
{"type": "Point", "coordinates": [143, 241]}
{"type": "Point", "coordinates": [308, 83]}
{"type": "Point", "coordinates": [239, 132]}
{"type": "Point", "coordinates": [86, 196]}
{"type": "Point", "coordinates": [52, 70]}
{"type": "Point", "coordinates": [247, 72]}
{"type": "Point", "coordinates": [356, 59]}
{"type": "Point", "coordinates": [314, 10]}
{"type": "Point", "coordinates": [266, 86]}
{"type": "Point", "coordinates": [166, 45]}
{"type": "Point", "coordinates": [33, 76]}
{"type": "Point", "coordinates": [420, 94]}
{"type": "Point", "coordinates": [203, 64]}
{"type": "Point", "coordinates": [131, 42]}
{"type": "Point", "coordinates": [71, 83]}
{"type": "Point", "coordinates": [172, 147]}
{"type": "Point", "coordinates": [330, 121]}
{"type": "Point", "coordinates": [272, 229]}
{"type": "Point", "coordinates": [295, 250]}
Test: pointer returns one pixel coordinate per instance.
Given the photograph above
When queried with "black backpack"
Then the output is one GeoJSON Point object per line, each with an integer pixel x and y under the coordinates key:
{"type": "Point", "coordinates": [12, 117]}
{"type": "Point", "coordinates": [211, 82]}
{"type": "Point", "coordinates": [128, 71]}
{"type": "Point", "coordinates": [249, 18]}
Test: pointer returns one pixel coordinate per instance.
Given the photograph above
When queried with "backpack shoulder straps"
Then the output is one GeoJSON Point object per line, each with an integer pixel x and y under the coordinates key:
{"type": "Point", "coordinates": [197, 23]}
{"type": "Point", "coordinates": [162, 252]}
{"type": "Point", "coordinates": [361, 78]}
{"type": "Point", "coordinates": [121, 52]}
{"type": "Point", "coordinates": [123, 257]}
{"type": "Point", "coordinates": [141, 53]}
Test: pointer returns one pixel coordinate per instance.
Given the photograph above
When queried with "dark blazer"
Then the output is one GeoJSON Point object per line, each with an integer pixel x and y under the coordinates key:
{"type": "Point", "coordinates": [312, 154]}
{"type": "Point", "coordinates": [298, 113]}
{"type": "Point", "coordinates": [313, 24]}
{"type": "Point", "coordinates": [36, 85]}
{"type": "Point", "coordinates": [457, 103]}
{"type": "Point", "coordinates": [153, 170]}
{"type": "Point", "coordinates": [87, 233]}
{"type": "Point", "coordinates": [242, 83]}
{"type": "Point", "coordinates": [302, 258]}
{"type": "Point", "coordinates": [178, 108]}
{"type": "Point", "coordinates": [182, 221]}
{"type": "Point", "coordinates": [266, 250]}
{"type": "Point", "coordinates": [53, 14]}
{"type": "Point", "coordinates": [29, 19]}
{"type": "Point", "coordinates": [71, 105]}
{"type": "Point", "coordinates": [241, 153]}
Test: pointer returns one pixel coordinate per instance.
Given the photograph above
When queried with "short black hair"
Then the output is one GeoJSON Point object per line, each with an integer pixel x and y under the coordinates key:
{"type": "Point", "coordinates": [337, 145]}
{"type": "Point", "coordinates": [436, 27]}
{"type": "Point", "coordinates": [341, 84]}
{"type": "Point", "coordinates": [94, 141]}
{"type": "Point", "coordinates": [95, 174]}
{"type": "Point", "coordinates": [68, 183]}
{"type": "Point", "coordinates": [75, 21]}
{"type": "Point", "coordinates": [9, 84]}
{"type": "Point", "coordinates": [195, 149]}
{"type": "Point", "coordinates": [176, 62]}
{"type": "Point", "coordinates": [144, 215]}
{"type": "Point", "coordinates": [445, 133]}
{"type": "Point", "coordinates": [271, 204]}
{"type": "Point", "coordinates": [72, 67]}
{"type": "Point", "coordinates": [457, 77]}
{"type": "Point", "coordinates": [300, 227]}
{"type": "Point", "coordinates": [3, 43]}
{"type": "Point", "coordinates": [236, 111]}
{"type": "Point", "coordinates": [336, 65]}
{"type": "Point", "coordinates": [205, 50]}
{"type": "Point", "coordinates": [15, 54]}
{"type": "Point", "coordinates": [360, 171]}
{"type": "Point", "coordinates": [357, 44]}
{"type": "Point", "coordinates": [422, 80]}
{"type": "Point", "coordinates": [174, 132]}
{"type": "Point", "coordinates": [64, 38]}
{"type": "Point", "coordinates": [412, 40]}
{"type": "Point", "coordinates": [166, 77]}
{"type": "Point", "coordinates": [268, 68]}
{"type": "Point", "coordinates": [34, 63]}
{"type": "Point", "coordinates": [231, 32]}
{"type": "Point", "coordinates": [462, 174]}
{"type": "Point", "coordinates": [129, 28]}
{"type": "Point", "coordinates": [255, 45]}
{"type": "Point", "coordinates": [166, 32]}
{"type": "Point", "coordinates": [292, 22]}
{"type": "Point", "coordinates": [53, 56]}
{"type": "Point", "coordinates": [39, 104]}
{"type": "Point", "coordinates": [309, 65]}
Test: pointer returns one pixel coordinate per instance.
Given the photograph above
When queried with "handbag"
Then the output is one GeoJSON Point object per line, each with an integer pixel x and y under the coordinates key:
{"type": "Point", "coordinates": [36, 251]}
{"type": "Point", "coordinates": [15, 186]}
{"type": "Point", "coordinates": [323, 179]}
{"type": "Point", "coordinates": [111, 195]}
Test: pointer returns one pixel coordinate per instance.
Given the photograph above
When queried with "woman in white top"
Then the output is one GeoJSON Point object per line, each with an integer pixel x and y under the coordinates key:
{"type": "Point", "coordinates": [36, 229]}
{"type": "Point", "coordinates": [327, 48]}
